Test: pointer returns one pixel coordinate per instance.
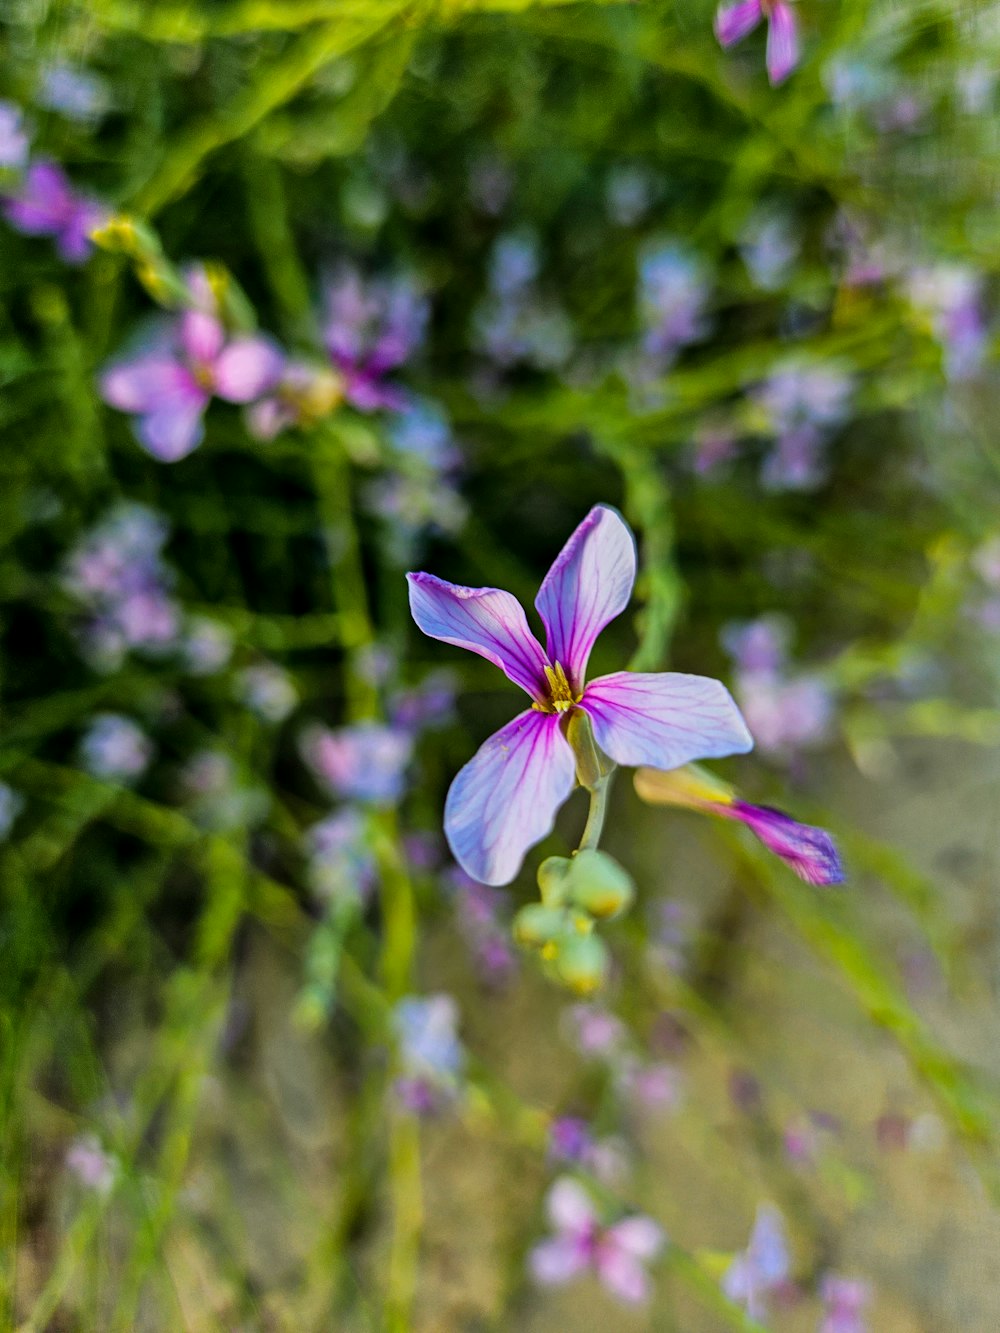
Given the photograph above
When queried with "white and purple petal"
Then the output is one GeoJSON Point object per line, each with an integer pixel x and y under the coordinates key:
{"type": "Point", "coordinates": [589, 584]}
{"type": "Point", "coordinates": [173, 430]}
{"type": "Point", "coordinates": [247, 368]}
{"type": "Point", "coordinates": [734, 22]}
{"type": "Point", "coordinates": [486, 621]}
{"type": "Point", "coordinates": [622, 1274]}
{"type": "Point", "coordinates": [506, 797]}
{"type": "Point", "coordinates": [664, 720]}
{"type": "Point", "coordinates": [558, 1260]}
{"type": "Point", "coordinates": [201, 336]}
{"type": "Point", "coordinates": [782, 53]}
{"type": "Point", "coordinates": [807, 850]}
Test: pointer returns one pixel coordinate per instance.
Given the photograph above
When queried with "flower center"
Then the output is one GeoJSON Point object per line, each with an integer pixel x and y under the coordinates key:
{"type": "Point", "coordinates": [561, 696]}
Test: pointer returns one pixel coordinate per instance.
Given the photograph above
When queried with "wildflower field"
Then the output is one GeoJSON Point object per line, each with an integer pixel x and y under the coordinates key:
{"type": "Point", "coordinates": [499, 666]}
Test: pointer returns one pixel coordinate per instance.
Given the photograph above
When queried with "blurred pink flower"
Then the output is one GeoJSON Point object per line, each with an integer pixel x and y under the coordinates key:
{"type": "Point", "coordinates": [618, 1254]}
{"type": "Point", "coordinates": [734, 22]}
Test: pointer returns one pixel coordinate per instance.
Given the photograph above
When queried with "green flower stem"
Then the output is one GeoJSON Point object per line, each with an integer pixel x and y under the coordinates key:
{"type": "Point", "coordinates": [594, 826]}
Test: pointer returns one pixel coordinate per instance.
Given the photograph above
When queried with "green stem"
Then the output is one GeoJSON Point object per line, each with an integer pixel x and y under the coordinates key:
{"type": "Point", "coordinates": [595, 816]}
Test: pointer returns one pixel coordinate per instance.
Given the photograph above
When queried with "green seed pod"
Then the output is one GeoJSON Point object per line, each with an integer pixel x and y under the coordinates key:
{"type": "Point", "coordinates": [537, 925]}
{"type": "Point", "coordinates": [599, 885]}
{"type": "Point", "coordinates": [553, 881]}
{"type": "Point", "coordinates": [582, 962]}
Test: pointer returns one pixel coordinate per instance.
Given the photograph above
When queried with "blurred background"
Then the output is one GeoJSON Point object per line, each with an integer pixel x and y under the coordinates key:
{"type": "Point", "coordinates": [298, 295]}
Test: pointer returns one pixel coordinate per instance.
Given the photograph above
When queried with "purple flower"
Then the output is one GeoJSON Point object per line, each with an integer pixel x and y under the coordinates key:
{"type": "Point", "coordinates": [118, 574]}
{"type": "Point", "coordinates": [14, 138]}
{"type": "Point", "coordinates": [188, 361]}
{"type": "Point", "coordinates": [366, 762]}
{"type": "Point", "coordinates": [115, 748]}
{"type": "Point", "coordinates": [763, 1268]}
{"type": "Point", "coordinates": [758, 645]}
{"type": "Point", "coordinates": [430, 1053]}
{"type": "Point", "coordinates": [92, 1166]}
{"type": "Point", "coordinates": [506, 798]}
{"type": "Point", "coordinates": [810, 852]}
{"type": "Point", "coordinates": [75, 93]}
{"type": "Point", "coordinates": [844, 1300]}
{"type": "Point", "coordinates": [341, 862]}
{"type": "Point", "coordinates": [370, 330]}
{"type": "Point", "coordinates": [570, 1140]}
{"type": "Point", "coordinates": [734, 22]}
{"type": "Point", "coordinates": [618, 1254]}
{"type": "Point", "coordinates": [785, 714]}
{"type": "Point", "coordinates": [951, 297]}
{"type": "Point", "coordinates": [479, 910]}
{"type": "Point", "coordinates": [426, 706]}
{"type": "Point", "coordinates": [45, 204]}
{"type": "Point", "coordinates": [596, 1033]}
{"type": "Point", "coordinates": [673, 297]}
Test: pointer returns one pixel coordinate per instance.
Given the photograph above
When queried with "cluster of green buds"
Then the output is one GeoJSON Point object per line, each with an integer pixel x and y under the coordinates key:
{"type": "Point", "coordinates": [577, 892]}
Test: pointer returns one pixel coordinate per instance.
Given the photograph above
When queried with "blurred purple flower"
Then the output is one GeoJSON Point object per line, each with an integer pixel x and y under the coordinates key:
{"type": "Point", "coordinates": [364, 762]}
{"type": "Point", "coordinates": [75, 93]}
{"type": "Point", "coordinates": [736, 21]}
{"type": "Point", "coordinates": [785, 715]}
{"type": "Point", "coordinates": [595, 1032]}
{"type": "Point", "coordinates": [618, 1254]}
{"type": "Point", "coordinates": [92, 1166]}
{"type": "Point", "coordinates": [115, 748]}
{"type": "Point", "coordinates": [673, 301]}
{"type": "Point", "coordinates": [44, 203]}
{"type": "Point", "coordinates": [14, 137]}
{"type": "Point", "coordinates": [427, 706]}
{"type": "Point", "coordinates": [207, 645]}
{"type": "Point", "coordinates": [570, 1140]}
{"type": "Point", "coordinates": [370, 330]}
{"type": "Point", "coordinates": [168, 385]}
{"type": "Point", "coordinates": [759, 645]}
{"type": "Point", "coordinates": [117, 572]}
{"type": "Point", "coordinates": [844, 1301]}
{"type": "Point", "coordinates": [341, 863]}
{"type": "Point", "coordinates": [481, 913]}
{"type": "Point", "coordinates": [769, 245]}
{"type": "Point", "coordinates": [506, 798]}
{"type": "Point", "coordinates": [951, 295]}
{"type": "Point", "coordinates": [430, 1053]}
{"type": "Point", "coordinates": [763, 1268]}
{"type": "Point", "coordinates": [267, 690]}
{"type": "Point", "coordinates": [651, 1087]}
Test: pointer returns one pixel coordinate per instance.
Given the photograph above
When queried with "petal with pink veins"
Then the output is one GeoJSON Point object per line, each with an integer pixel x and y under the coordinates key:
{"type": "Point", "coordinates": [505, 798]}
{"type": "Point", "coordinates": [589, 584]}
{"type": "Point", "coordinates": [665, 719]}
{"type": "Point", "coordinates": [622, 1274]}
{"type": "Point", "coordinates": [486, 621]}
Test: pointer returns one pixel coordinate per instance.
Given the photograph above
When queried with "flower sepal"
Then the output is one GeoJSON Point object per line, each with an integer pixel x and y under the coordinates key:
{"type": "Point", "coordinates": [593, 767]}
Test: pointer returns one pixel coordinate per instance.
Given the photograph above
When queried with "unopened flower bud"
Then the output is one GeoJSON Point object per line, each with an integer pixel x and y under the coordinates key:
{"type": "Point", "coordinates": [553, 880]}
{"type": "Point", "coordinates": [599, 885]}
{"type": "Point", "coordinates": [582, 963]}
{"type": "Point", "coordinates": [537, 925]}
